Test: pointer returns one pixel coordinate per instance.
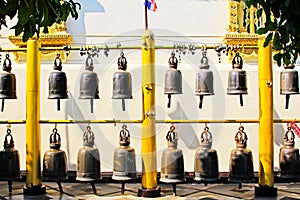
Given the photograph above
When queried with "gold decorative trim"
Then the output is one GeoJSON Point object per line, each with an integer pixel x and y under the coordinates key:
{"type": "Point", "coordinates": [57, 37]}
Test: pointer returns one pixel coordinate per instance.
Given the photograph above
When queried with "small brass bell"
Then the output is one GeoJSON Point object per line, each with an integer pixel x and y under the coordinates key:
{"type": "Point", "coordinates": [58, 82]}
{"type": "Point", "coordinates": [204, 79]}
{"type": "Point", "coordinates": [7, 82]}
{"type": "Point", "coordinates": [289, 83]}
{"type": "Point", "coordinates": [237, 78]}
{"type": "Point", "coordinates": [173, 79]}
{"type": "Point", "coordinates": [289, 157]}
{"type": "Point", "coordinates": [124, 159]}
{"type": "Point", "coordinates": [206, 159]}
{"type": "Point", "coordinates": [89, 82]}
{"type": "Point", "coordinates": [55, 166]}
{"type": "Point", "coordinates": [122, 82]}
{"type": "Point", "coordinates": [172, 164]}
{"type": "Point", "coordinates": [10, 161]}
{"type": "Point", "coordinates": [241, 160]}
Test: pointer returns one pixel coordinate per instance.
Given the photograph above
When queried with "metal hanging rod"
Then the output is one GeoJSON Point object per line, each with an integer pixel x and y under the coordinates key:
{"type": "Point", "coordinates": [77, 48]}
{"type": "Point", "coordinates": [113, 121]}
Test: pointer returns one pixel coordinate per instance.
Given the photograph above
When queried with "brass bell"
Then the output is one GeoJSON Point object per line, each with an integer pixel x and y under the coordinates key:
{"type": "Point", "coordinates": [7, 82]}
{"type": "Point", "coordinates": [124, 159]}
{"type": "Point", "coordinates": [89, 82]}
{"type": "Point", "coordinates": [172, 165]}
{"type": "Point", "coordinates": [88, 159]}
{"type": "Point", "coordinates": [241, 160]}
{"type": "Point", "coordinates": [10, 161]}
{"type": "Point", "coordinates": [122, 82]}
{"type": "Point", "coordinates": [55, 166]}
{"type": "Point", "coordinates": [58, 82]}
{"type": "Point", "coordinates": [237, 78]}
{"type": "Point", "coordinates": [173, 79]}
{"type": "Point", "coordinates": [204, 79]}
{"type": "Point", "coordinates": [206, 159]}
{"type": "Point", "coordinates": [289, 157]}
{"type": "Point", "coordinates": [289, 83]}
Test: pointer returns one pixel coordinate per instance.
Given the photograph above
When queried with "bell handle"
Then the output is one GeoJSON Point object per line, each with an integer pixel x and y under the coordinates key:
{"type": "Point", "coordinates": [58, 63]}
{"type": "Point", "coordinates": [7, 63]}
{"type": "Point", "coordinates": [124, 134]}
{"type": "Point", "coordinates": [11, 144]}
{"type": "Point", "coordinates": [173, 61]}
{"type": "Point", "coordinates": [53, 136]}
{"type": "Point", "coordinates": [241, 136]}
{"type": "Point", "coordinates": [207, 134]}
{"type": "Point", "coordinates": [88, 136]}
{"type": "Point", "coordinates": [292, 135]}
{"type": "Point", "coordinates": [89, 64]}
{"type": "Point", "coordinates": [172, 134]}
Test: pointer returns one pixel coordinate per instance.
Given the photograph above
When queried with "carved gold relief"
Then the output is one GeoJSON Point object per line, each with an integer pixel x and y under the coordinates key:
{"type": "Point", "coordinates": [57, 37]}
{"type": "Point", "coordinates": [242, 26]}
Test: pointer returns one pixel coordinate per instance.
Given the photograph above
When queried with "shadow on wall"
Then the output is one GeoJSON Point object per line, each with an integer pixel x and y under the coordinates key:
{"type": "Point", "coordinates": [74, 112]}
{"type": "Point", "coordinates": [78, 27]}
{"type": "Point", "coordinates": [279, 131]}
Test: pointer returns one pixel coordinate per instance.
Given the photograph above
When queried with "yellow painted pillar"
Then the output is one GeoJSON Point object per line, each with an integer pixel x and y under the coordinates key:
{"type": "Point", "coordinates": [266, 140]}
{"type": "Point", "coordinates": [149, 172]}
{"type": "Point", "coordinates": [33, 140]}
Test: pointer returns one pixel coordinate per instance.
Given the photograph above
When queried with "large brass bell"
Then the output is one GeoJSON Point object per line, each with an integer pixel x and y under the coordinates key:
{"type": "Point", "coordinates": [172, 164]}
{"type": "Point", "coordinates": [122, 82]}
{"type": "Point", "coordinates": [10, 161]}
{"type": "Point", "coordinates": [55, 166]}
{"type": "Point", "coordinates": [124, 159]}
{"type": "Point", "coordinates": [57, 82]}
{"type": "Point", "coordinates": [206, 159]}
{"type": "Point", "coordinates": [7, 82]}
{"type": "Point", "coordinates": [89, 82]}
{"type": "Point", "coordinates": [204, 79]}
{"type": "Point", "coordinates": [237, 78]}
{"type": "Point", "coordinates": [88, 166]}
{"type": "Point", "coordinates": [289, 83]}
{"type": "Point", "coordinates": [241, 160]}
{"type": "Point", "coordinates": [173, 79]}
{"type": "Point", "coordinates": [289, 157]}
{"type": "Point", "coordinates": [88, 160]}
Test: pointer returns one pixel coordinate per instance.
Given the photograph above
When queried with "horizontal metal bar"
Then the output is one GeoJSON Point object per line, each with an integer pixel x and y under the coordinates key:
{"type": "Point", "coordinates": [77, 48]}
{"type": "Point", "coordinates": [183, 121]}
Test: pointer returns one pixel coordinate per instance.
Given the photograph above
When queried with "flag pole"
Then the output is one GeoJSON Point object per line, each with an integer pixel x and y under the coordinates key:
{"type": "Point", "coordinates": [146, 18]}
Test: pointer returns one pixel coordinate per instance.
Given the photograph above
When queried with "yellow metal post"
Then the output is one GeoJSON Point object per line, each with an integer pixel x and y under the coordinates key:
{"type": "Point", "coordinates": [149, 172]}
{"type": "Point", "coordinates": [33, 140]}
{"type": "Point", "coordinates": [266, 139]}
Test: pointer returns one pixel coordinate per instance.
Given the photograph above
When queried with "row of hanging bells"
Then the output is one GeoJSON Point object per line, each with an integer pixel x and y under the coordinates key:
{"type": "Point", "coordinates": [89, 82]}
{"type": "Point", "coordinates": [122, 81]}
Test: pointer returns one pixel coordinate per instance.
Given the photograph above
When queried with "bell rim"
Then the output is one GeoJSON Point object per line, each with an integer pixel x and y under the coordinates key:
{"type": "Point", "coordinates": [167, 180]}
{"type": "Point", "coordinates": [89, 97]}
{"type": "Point", "coordinates": [204, 93]}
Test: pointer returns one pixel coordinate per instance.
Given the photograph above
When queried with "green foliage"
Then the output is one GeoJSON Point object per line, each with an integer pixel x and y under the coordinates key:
{"type": "Point", "coordinates": [282, 26]}
{"type": "Point", "coordinates": [34, 14]}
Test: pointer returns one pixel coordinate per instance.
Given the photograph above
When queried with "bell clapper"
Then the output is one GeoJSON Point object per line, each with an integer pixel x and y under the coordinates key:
{"type": "Point", "coordinates": [241, 100]}
{"type": "Point", "coordinates": [10, 187]}
{"type": "Point", "coordinates": [92, 105]}
{"type": "Point", "coordinates": [240, 186]}
{"type": "Point", "coordinates": [123, 104]}
{"type": "Point", "coordinates": [60, 187]}
{"type": "Point", "coordinates": [174, 188]}
{"type": "Point", "coordinates": [201, 101]}
{"type": "Point", "coordinates": [122, 187]}
{"type": "Point", "coordinates": [169, 100]}
{"type": "Point", "coordinates": [2, 107]}
{"type": "Point", "coordinates": [287, 99]}
{"type": "Point", "coordinates": [94, 187]}
{"type": "Point", "coordinates": [58, 104]}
